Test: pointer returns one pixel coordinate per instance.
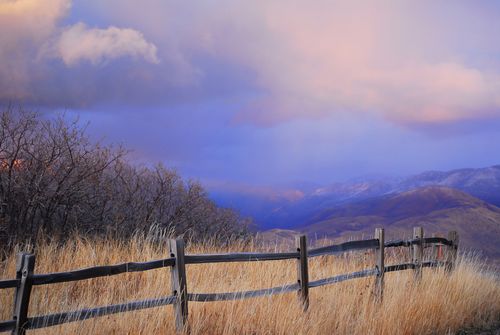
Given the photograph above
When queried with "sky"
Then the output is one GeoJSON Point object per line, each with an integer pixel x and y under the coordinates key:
{"type": "Point", "coordinates": [272, 94]}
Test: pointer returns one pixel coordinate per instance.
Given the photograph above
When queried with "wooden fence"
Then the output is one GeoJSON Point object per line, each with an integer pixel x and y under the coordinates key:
{"type": "Point", "coordinates": [177, 261]}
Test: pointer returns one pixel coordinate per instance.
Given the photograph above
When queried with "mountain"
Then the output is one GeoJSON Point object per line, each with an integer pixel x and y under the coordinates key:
{"type": "Point", "coordinates": [285, 212]}
{"type": "Point", "coordinates": [482, 183]}
{"type": "Point", "coordinates": [437, 209]}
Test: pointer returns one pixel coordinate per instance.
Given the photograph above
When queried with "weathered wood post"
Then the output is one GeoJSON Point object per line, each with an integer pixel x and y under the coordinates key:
{"type": "Point", "coordinates": [302, 271]}
{"type": "Point", "coordinates": [380, 263]}
{"type": "Point", "coordinates": [451, 257]}
{"type": "Point", "coordinates": [434, 250]}
{"type": "Point", "coordinates": [19, 274]}
{"type": "Point", "coordinates": [418, 251]}
{"type": "Point", "coordinates": [179, 284]}
{"type": "Point", "coordinates": [24, 273]}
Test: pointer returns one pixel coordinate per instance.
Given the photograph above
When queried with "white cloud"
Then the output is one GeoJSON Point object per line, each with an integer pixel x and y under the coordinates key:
{"type": "Point", "coordinates": [30, 30]}
{"type": "Point", "coordinates": [79, 43]}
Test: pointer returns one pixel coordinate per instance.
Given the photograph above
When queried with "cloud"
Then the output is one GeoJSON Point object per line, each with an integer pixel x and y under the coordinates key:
{"type": "Point", "coordinates": [409, 63]}
{"type": "Point", "coordinates": [31, 19]}
{"type": "Point", "coordinates": [35, 51]}
{"type": "Point", "coordinates": [394, 61]}
{"type": "Point", "coordinates": [79, 43]}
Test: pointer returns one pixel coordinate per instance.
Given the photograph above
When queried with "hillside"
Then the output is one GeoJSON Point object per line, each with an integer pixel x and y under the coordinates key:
{"type": "Point", "coordinates": [483, 183]}
{"type": "Point", "coordinates": [438, 209]}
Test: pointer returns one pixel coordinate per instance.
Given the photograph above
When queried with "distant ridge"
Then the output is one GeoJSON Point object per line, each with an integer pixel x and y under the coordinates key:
{"type": "Point", "coordinates": [483, 183]}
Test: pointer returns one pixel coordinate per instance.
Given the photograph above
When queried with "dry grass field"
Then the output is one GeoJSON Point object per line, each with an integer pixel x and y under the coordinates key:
{"type": "Point", "coordinates": [439, 304]}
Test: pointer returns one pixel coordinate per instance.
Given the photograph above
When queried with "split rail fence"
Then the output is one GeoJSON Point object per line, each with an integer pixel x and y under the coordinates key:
{"type": "Point", "coordinates": [177, 261]}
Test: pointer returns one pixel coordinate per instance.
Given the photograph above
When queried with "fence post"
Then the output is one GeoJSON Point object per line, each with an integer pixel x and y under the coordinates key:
{"type": "Point", "coordinates": [19, 275]}
{"type": "Point", "coordinates": [24, 272]}
{"type": "Point", "coordinates": [418, 233]}
{"type": "Point", "coordinates": [179, 284]}
{"type": "Point", "coordinates": [380, 263]}
{"type": "Point", "coordinates": [452, 251]}
{"type": "Point", "coordinates": [434, 250]}
{"type": "Point", "coordinates": [302, 271]}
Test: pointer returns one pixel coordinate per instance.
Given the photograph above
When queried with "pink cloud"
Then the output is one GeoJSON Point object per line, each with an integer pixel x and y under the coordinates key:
{"type": "Point", "coordinates": [25, 25]}
{"type": "Point", "coordinates": [316, 60]}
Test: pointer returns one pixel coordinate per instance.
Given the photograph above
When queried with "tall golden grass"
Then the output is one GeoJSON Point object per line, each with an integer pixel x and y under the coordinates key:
{"type": "Point", "coordinates": [439, 304]}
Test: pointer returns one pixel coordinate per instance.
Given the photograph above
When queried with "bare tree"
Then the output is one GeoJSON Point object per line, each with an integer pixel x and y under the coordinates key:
{"type": "Point", "coordinates": [54, 180]}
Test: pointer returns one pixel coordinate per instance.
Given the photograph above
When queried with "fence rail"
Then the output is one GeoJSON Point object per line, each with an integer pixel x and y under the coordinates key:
{"type": "Point", "coordinates": [239, 257]}
{"type": "Point", "coordinates": [347, 246]}
{"type": "Point", "coordinates": [100, 271]}
{"type": "Point", "coordinates": [205, 297]}
{"type": "Point", "coordinates": [426, 240]}
{"type": "Point", "coordinates": [344, 277]}
{"type": "Point", "coordinates": [25, 278]}
{"type": "Point", "coordinates": [9, 283]}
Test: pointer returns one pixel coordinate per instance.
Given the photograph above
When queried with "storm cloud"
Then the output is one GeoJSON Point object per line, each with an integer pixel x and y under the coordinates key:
{"type": "Point", "coordinates": [307, 60]}
{"type": "Point", "coordinates": [266, 90]}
